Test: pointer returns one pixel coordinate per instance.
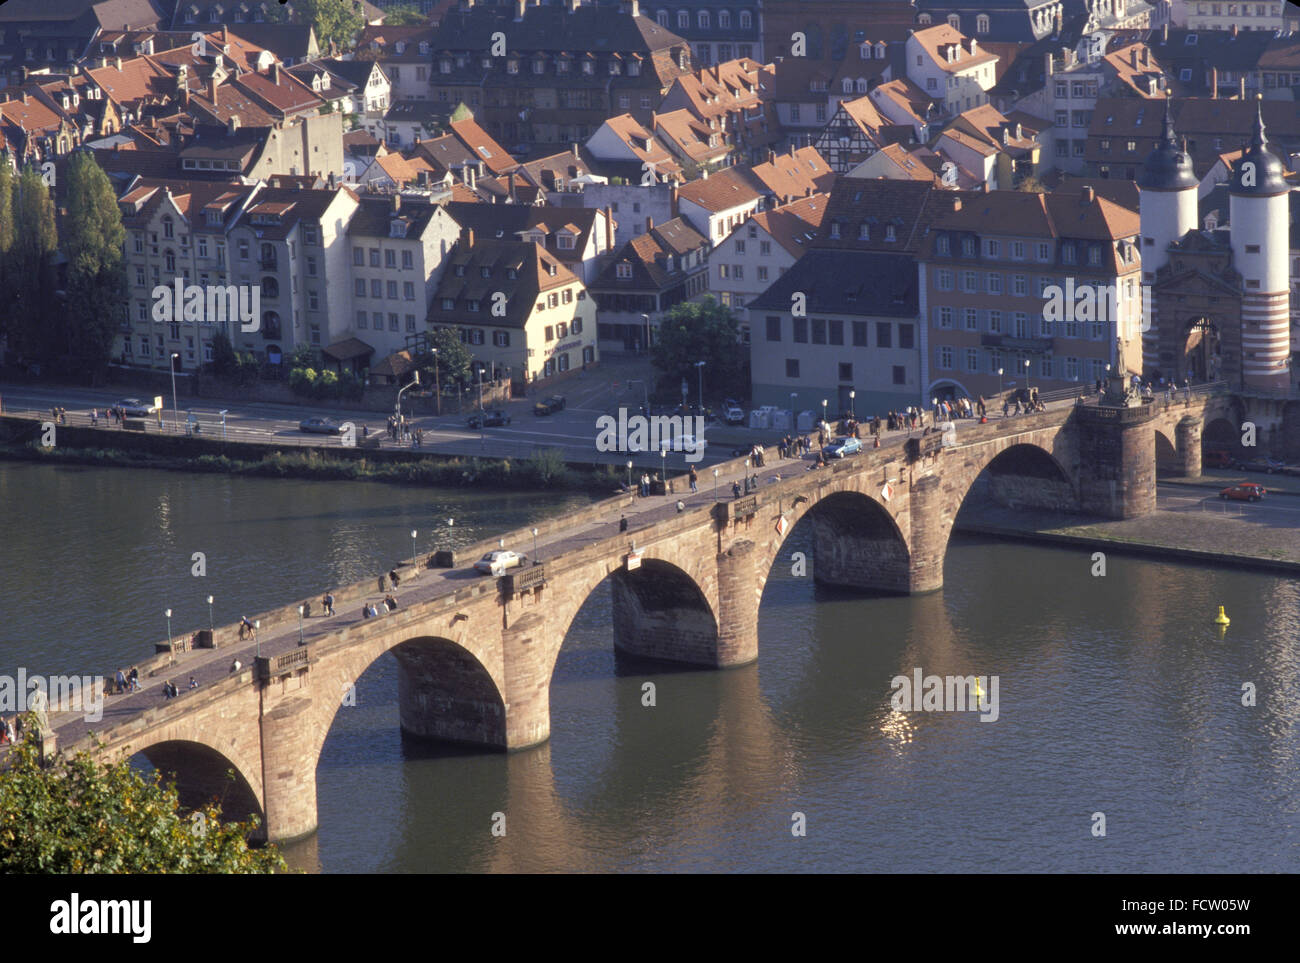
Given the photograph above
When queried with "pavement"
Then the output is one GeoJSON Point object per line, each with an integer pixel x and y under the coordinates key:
{"type": "Point", "coordinates": [1188, 523]}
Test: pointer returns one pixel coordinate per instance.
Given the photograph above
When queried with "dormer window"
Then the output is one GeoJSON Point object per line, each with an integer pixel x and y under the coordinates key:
{"type": "Point", "coordinates": [424, 46]}
{"type": "Point", "coordinates": [889, 233]}
{"type": "Point", "coordinates": [562, 66]}
{"type": "Point", "coordinates": [634, 68]}
{"type": "Point", "coordinates": [445, 66]}
{"type": "Point", "coordinates": [512, 66]}
{"type": "Point", "coordinates": [942, 245]}
{"type": "Point", "coordinates": [587, 68]}
{"type": "Point", "coordinates": [624, 271]}
{"type": "Point", "coordinates": [539, 66]}
{"type": "Point", "coordinates": [864, 231]}
{"type": "Point", "coordinates": [485, 272]}
{"type": "Point", "coordinates": [614, 68]}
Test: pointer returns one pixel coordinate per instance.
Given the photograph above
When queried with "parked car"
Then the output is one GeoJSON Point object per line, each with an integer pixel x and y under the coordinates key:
{"type": "Point", "coordinates": [1259, 463]}
{"type": "Point", "coordinates": [550, 406]}
{"type": "Point", "coordinates": [134, 408]}
{"type": "Point", "coordinates": [1244, 492]}
{"type": "Point", "coordinates": [491, 418]}
{"type": "Point", "coordinates": [842, 447]}
{"type": "Point", "coordinates": [733, 414]}
{"type": "Point", "coordinates": [319, 426]}
{"type": "Point", "coordinates": [1217, 458]}
{"type": "Point", "coordinates": [496, 563]}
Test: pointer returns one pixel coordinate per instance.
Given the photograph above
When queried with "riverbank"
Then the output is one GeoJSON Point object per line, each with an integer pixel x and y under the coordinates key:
{"type": "Point", "coordinates": [544, 471]}
{"type": "Point", "coordinates": [1213, 533]}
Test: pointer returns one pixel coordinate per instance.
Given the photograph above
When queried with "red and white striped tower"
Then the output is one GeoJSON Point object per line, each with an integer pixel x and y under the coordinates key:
{"type": "Point", "coordinates": [1259, 218]}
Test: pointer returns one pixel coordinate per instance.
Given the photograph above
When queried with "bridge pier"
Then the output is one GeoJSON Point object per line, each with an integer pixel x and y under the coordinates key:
{"type": "Point", "coordinates": [738, 596]}
{"type": "Point", "coordinates": [930, 530]}
{"type": "Point", "coordinates": [289, 754]}
{"type": "Point", "coordinates": [1117, 458]}
{"type": "Point", "coordinates": [527, 681]}
{"type": "Point", "coordinates": [1188, 437]}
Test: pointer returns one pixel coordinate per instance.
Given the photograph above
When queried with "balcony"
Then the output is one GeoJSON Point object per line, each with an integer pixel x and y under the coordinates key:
{"type": "Point", "coordinates": [1007, 342]}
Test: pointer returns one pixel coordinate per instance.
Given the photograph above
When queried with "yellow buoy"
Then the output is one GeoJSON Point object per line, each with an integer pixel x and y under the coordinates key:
{"type": "Point", "coordinates": [1221, 618]}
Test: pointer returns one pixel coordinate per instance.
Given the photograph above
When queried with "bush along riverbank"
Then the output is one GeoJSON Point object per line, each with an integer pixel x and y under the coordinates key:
{"type": "Point", "coordinates": [544, 471]}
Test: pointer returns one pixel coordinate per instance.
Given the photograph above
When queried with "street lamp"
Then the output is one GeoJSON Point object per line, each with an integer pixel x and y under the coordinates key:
{"type": "Point", "coordinates": [257, 639]}
{"type": "Point", "coordinates": [300, 640]}
{"type": "Point", "coordinates": [999, 382]}
{"type": "Point", "coordinates": [176, 414]}
{"type": "Point", "coordinates": [223, 413]}
{"type": "Point", "coordinates": [715, 484]}
{"type": "Point", "coordinates": [663, 467]}
{"type": "Point", "coordinates": [824, 404]}
{"type": "Point", "coordinates": [168, 613]}
{"type": "Point", "coordinates": [482, 419]}
{"type": "Point", "coordinates": [211, 627]}
{"type": "Point", "coordinates": [699, 369]}
{"type": "Point", "coordinates": [437, 384]}
{"type": "Point", "coordinates": [534, 545]}
{"type": "Point", "coordinates": [852, 412]}
{"type": "Point", "coordinates": [415, 554]}
{"type": "Point", "coordinates": [1026, 374]}
{"type": "Point", "coordinates": [794, 424]}
{"type": "Point", "coordinates": [645, 318]}
{"type": "Point", "coordinates": [397, 407]}
{"type": "Point", "coordinates": [629, 474]}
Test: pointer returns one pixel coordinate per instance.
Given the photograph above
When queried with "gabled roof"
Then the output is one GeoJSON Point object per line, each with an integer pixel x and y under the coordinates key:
{"type": "Point", "coordinates": [793, 225]}
{"type": "Point", "coordinates": [863, 283]}
{"type": "Point", "coordinates": [721, 191]}
{"type": "Point", "coordinates": [510, 221]}
{"type": "Point", "coordinates": [466, 141]}
{"type": "Point", "coordinates": [644, 145]}
{"type": "Point", "coordinates": [535, 271]}
{"type": "Point", "coordinates": [648, 255]}
{"type": "Point", "coordinates": [951, 49]}
{"type": "Point", "coordinates": [690, 136]}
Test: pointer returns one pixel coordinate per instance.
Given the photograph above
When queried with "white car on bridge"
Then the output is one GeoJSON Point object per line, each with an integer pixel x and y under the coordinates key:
{"type": "Point", "coordinates": [496, 563]}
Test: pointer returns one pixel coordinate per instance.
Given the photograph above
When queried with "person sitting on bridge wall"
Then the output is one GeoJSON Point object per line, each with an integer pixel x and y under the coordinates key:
{"type": "Point", "coordinates": [391, 603]}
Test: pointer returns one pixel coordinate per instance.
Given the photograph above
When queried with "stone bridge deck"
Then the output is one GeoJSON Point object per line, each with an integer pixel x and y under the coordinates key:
{"type": "Point", "coordinates": [476, 654]}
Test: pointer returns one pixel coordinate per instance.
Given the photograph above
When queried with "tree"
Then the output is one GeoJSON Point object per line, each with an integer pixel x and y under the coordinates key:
{"type": "Point", "coordinates": [334, 21]}
{"type": "Point", "coordinates": [453, 359]}
{"type": "Point", "coordinates": [86, 816]}
{"type": "Point", "coordinates": [7, 316]}
{"type": "Point", "coordinates": [700, 331]}
{"type": "Point", "coordinates": [96, 283]}
{"type": "Point", "coordinates": [29, 268]}
{"type": "Point", "coordinates": [1031, 185]}
{"type": "Point", "coordinates": [402, 16]}
{"type": "Point", "coordinates": [225, 363]}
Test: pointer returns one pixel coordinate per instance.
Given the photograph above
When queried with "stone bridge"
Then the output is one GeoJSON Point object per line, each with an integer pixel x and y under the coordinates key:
{"type": "Point", "coordinates": [476, 654]}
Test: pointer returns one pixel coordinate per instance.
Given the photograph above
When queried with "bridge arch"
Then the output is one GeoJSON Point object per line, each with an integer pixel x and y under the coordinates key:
{"type": "Point", "coordinates": [203, 774]}
{"type": "Point", "coordinates": [857, 542]}
{"type": "Point", "coordinates": [1022, 475]}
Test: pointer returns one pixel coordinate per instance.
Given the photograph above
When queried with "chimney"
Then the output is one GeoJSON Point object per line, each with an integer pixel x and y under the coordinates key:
{"type": "Point", "coordinates": [232, 124]}
{"type": "Point", "coordinates": [1087, 196]}
{"type": "Point", "coordinates": [275, 72]}
{"type": "Point", "coordinates": [571, 5]}
{"type": "Point", "coordinates": [473, 176]}
{"type": "Point", "coordinates": [649, 224]}
{"type": "Point", "coordinates": [1214, 83]}
{"type": "Point", "coordinates": [956, 204]}
{"type": "Point", "coordinates": [635, 9]}
{"type": "Point", "coordinates": [1234, 29]}
{"type": "Point", "coordinates": [1133, 57]}
{"type": "Point", "coordinates": [397, 203]}
{"type": "Point", "coordinates": [468, 234]}
{"type": "Point", "coordinates": [771, 156]}
{"type": "Point", "coordinates": [1164, 33]}
{"type": "Point", "coordinates": [575, 149]}
{"type": "Point", "coordinates": [519, 9]}
{"type": "Point", "coordinates": [1146, 56]}
{"type": "Point", "coordinates": [609, 228]}
{"type": "Point", "coordinates": [1048, 62]}
{"type": "Point", "coordinates": [1241, 87]}
{"type": "Point", "coordinates": [673, 207]}
{"type": "Point", "coordinates": [117, 62]}
{"type": "Point", "coordinates": [212, 90]}
{"type": "Point", "coordinates": [225, 35]}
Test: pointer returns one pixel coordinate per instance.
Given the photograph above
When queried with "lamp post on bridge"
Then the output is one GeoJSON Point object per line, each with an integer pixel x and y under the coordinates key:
{"type": "Point", "coordinates": [715, 484]}
{"type": "Point", "coordinates": [170, 644]}
{"type": "Point", "coordinates": [257, 639]}
{"type": "Point", "coordinates": [300, 640]}
{"type": "Point", "coordinates": [211, 628]}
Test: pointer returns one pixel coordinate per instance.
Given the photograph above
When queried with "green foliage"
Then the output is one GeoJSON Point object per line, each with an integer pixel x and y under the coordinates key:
{"type": "Point", "coordinates": [303, 356]}
{"type": "Point", "coordinates": [462, 112]}
{"type": "Point", "coordinates": [325, 385]}
{"type": "Point", "coordinates": [96, 280]}
{"type": "Point", "coordinates": [453, 360]}
{"type": "Point", "coordinates": [29, 269]}
{"type": "Point", "coordinates": [402, 16]}
{"type": "Point", "coordinates": [8, 316]}
{"type": "Point", "coordinates": [86, 816]}
{"type": "Point", "coordinates": [547, 467]}
{"type": "Point", "coordinates": [334, 21]}
{"type": "Point", "coordinates": [700, 331]}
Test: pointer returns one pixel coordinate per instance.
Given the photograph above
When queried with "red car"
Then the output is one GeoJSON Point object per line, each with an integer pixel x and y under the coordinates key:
{"type": "Point", "coordinates": [1217, 459]}
{"type": "Point", "coordinates": [1244, 492]}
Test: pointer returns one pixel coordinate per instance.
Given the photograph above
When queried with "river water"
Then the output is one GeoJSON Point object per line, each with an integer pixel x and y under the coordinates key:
{"type": "Point", "coordinates": [1115, 696]}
